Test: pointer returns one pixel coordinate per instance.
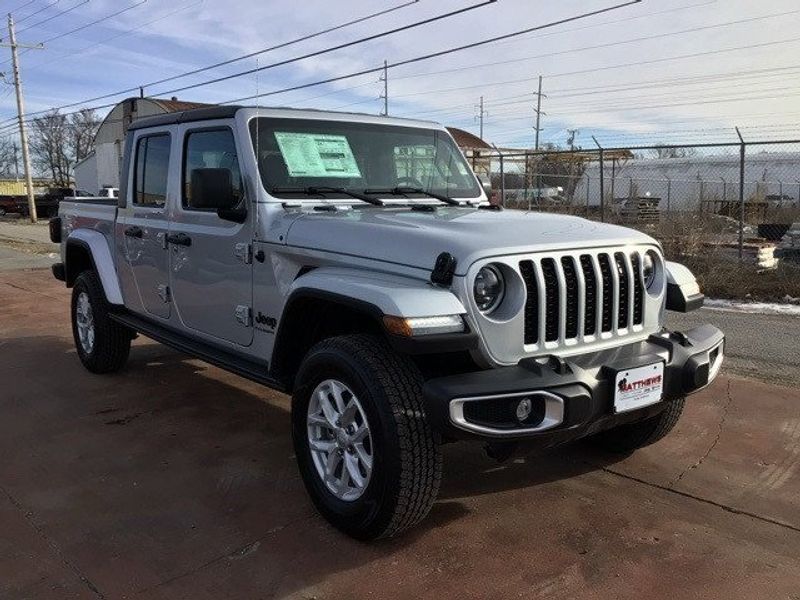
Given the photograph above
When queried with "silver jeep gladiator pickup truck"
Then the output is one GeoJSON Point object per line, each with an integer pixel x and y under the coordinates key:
{"type": "Point", "coordinates": [353, 262]}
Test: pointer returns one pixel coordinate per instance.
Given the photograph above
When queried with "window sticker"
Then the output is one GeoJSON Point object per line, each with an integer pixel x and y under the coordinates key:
{"type": "Point", "coordinates": [317, 155]}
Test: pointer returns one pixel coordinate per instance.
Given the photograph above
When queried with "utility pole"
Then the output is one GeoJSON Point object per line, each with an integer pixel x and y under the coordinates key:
{"type": "Point", "coordinates": [16, 161]}
{"type": "Point", "coordinates": [481, 114]}
{"type": "Point", "coordinates": [539, 113]}
{"type": "Point", "coordinates": [385, 96]}
{"type": "Point", "coordinates": [23, 134]}
{"type": "Point", "coordinates": [538, 128]}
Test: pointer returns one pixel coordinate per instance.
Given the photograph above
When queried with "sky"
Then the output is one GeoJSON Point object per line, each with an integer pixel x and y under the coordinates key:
{"type": "Point", "coordinates": [664, 71]}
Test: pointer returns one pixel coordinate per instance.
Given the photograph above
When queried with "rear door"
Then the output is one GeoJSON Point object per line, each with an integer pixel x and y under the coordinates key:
{"type": "Point", "coordinates": [142, 225]}
{"type": "Point", "coordinates": [211, 258]}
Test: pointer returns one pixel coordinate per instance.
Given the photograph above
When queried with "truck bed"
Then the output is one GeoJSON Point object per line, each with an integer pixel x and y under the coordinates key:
{"type": "Point", "coordinates": [98, 214]}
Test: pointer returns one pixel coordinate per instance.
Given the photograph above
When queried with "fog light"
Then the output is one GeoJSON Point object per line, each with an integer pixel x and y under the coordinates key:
{"type": "Point", "coordinates": [524, 409]}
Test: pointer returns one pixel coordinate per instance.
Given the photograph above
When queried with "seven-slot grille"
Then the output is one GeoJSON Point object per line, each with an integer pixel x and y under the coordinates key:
{"type": "Point", "coordinates": [582, 295]}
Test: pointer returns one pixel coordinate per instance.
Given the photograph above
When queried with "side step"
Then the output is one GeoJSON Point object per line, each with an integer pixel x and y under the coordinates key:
{"type": "Point", "coordinates": [249, 369]}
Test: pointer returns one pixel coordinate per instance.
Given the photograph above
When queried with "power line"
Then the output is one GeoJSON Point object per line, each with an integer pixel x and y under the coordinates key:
{"type": "Point", "coordinates": [95, 22]}
{"type": "Point", "coordinates": [605, 45]}
{"type": "Point", "coordinates": [29, 2]}
{"type": "Point", "coordinates": [539, 35]}
{"type": "Point", "coordinates": [60, 57]}
{"type": "Point", "coordinates": [611, 67]}
{"type": "Point", "coordinates": [286, 44]}
{"type": "Point", "coordinates": [334, 48]}
{"type": "Point", "coordinates": [604, 108]}
{"type": "Point", "coordinates": [374, 69]}
{"type": "Point", "coordinates": [87, 25]}
{"type": "Point", "coordinates": [55, 16]}
{"type": "Point", "coordinates": [651, 84]}
{"type": "Point", "coordinates": [431, 55]}
{"type": "Point", "coordinates": [36, 12]}
{"type": "Point", "coordinates": [279, 63]}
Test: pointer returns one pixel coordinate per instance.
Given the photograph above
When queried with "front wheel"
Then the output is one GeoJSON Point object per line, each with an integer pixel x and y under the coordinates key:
{"type": "Point", "coordinates": [365, 450]}
{"type": "Point", "coordinates": [103, 345]}
{"type": "Point", "coordinates": [627, 438]}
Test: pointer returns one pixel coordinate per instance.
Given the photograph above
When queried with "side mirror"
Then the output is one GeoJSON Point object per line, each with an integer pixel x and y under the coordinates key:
{"type": "Point", "coordinates": [212, 189]}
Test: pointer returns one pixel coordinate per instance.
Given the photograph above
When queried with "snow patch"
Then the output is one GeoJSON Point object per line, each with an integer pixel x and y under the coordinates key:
{"type": "Point", "coordinates": [763, 308]}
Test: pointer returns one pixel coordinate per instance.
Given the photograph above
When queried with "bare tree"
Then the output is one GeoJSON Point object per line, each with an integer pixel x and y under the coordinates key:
{"type": "Point", "coordinates": [672, 152]}
{"type": "Point", "coordinates": [83, 127]}
{"type": "Point", "coordinates": [8, 162]}
{"type": "Point", "coordinates": [59, 141]}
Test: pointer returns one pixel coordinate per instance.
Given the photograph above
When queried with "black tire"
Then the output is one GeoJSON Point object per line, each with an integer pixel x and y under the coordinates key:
{"type": "Point", "coordinates": [407, 462]}
{"type": "Point", "coordinates": [627, 438]}
{"type": "Point", "coordinates": [112, 341]}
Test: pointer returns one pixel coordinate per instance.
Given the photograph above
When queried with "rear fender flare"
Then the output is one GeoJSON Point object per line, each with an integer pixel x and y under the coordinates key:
{"type": "Point", "coordinates": [96, 245]}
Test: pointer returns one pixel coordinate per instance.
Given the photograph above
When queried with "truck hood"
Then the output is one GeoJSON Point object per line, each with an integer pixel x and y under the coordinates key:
{"type": "Point", "coordinates": [415, 238]}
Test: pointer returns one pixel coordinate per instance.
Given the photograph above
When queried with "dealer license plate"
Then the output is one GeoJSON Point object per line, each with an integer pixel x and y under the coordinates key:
{"type": "Point", "coordinates": [639, 387]}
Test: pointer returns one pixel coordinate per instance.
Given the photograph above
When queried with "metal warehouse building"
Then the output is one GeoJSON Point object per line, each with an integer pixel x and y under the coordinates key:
{"type": "Point", "coordinates": [101, 168]}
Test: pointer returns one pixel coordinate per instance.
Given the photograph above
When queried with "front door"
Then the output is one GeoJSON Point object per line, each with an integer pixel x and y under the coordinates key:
{"type": "Point", "coordinates": [211, 258]}
{"type": "Point", "coordinates": [142, 226]}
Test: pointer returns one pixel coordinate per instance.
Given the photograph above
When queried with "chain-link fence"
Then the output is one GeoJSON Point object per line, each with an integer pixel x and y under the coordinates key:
{"type": "Point", "coordinates": [731, 211]}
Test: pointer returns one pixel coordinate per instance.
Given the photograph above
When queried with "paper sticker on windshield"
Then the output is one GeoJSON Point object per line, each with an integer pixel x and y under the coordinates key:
{"type": "Point", "coordinates": [317, 155]}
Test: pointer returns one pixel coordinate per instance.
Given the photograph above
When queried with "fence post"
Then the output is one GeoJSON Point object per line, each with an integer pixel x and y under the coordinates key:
{"type": "Point", "coordinates": [742, 150]}
{"type": "Point", "coordinates": [724, 191]}
{"type": "Point", "coordinates": [502, 182]}
{"type": "Point", "coordinates": [525, 182]}
{"type": "Point", "coordinates": [669, 195]}
{"type": "Point", "coordinates": [588, 186]}
{"type": "Point", "coordinates": [630, 188]}
{"type": "Point", "coordinates": [613, 179]}
{"type": "Point", "coordinates": [602, 183]}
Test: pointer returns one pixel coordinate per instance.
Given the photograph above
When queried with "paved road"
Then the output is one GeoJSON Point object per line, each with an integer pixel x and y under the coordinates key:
{"type": "Point", "coordinates": [765, 347]}
{"type": "Point", "coordinates": [175, 480]}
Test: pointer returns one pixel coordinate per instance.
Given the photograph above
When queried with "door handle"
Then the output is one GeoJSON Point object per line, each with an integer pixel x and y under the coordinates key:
{"type": "Point", "coordinates": [134, 232]}
{"type": "Point", "coordinates": [179, 239]}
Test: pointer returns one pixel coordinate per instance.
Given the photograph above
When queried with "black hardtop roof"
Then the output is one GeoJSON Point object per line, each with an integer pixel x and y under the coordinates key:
{"type": "Point", "coordinates": [185, 116]}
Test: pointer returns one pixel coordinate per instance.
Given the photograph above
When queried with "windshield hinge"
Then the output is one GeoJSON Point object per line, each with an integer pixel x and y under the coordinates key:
{"type": "Point", "coordinates": [244, 252]}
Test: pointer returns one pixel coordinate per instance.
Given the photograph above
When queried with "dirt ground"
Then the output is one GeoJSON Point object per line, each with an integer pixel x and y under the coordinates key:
{"type": "Point", "coordinates": [175, 480]}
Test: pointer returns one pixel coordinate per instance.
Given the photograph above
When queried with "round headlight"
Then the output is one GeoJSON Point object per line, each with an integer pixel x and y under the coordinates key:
{"type": "Point", "coordinates": [649, 268]}
{"type": "Point", "coordinates": [489, 288]}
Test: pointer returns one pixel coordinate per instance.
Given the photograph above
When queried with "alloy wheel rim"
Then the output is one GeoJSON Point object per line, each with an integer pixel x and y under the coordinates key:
{"type": "Point", "coordinates": [85, 321]}
{"type": "Point", "coordinates": [339, 440]}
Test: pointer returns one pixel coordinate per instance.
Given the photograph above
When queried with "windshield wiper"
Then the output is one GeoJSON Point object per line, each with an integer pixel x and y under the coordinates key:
{"type": "Point", "coordinates": [322, 190]}
{"type": "Point", "coordinates": [404, 191]}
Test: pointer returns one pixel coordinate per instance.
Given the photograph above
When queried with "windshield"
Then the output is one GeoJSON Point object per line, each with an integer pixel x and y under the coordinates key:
{"type": "Point", "coordinates": [295, 154]}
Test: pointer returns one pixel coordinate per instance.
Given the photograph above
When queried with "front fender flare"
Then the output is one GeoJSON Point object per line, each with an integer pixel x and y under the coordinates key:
{"type": "Point", "coordinates": [683, 292]}
{"type": "Point", "coordinates": [388, 294]}
{"type": "Point", "coordinates": [96, 245]}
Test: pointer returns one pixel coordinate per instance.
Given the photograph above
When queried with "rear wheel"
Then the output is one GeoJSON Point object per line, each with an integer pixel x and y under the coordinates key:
{"type": "Point", "coordinates": [103, 345]}
{"type": "Point", "coordinates": [627, 438]}
{"type": "Point", "coordinates": [366, 453]}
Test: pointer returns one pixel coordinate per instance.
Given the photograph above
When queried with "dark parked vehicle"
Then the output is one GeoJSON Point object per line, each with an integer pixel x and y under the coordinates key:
{"type": "Point", "coordinates": [47, 203]}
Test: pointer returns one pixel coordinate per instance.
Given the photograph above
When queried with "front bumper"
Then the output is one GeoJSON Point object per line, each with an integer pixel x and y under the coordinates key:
{"type": "Point", "coordinates": [571, 397]}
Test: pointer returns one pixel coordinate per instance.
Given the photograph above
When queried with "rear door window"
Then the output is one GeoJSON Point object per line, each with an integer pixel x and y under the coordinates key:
{"type": "Point", "coordinates": [152, 170]}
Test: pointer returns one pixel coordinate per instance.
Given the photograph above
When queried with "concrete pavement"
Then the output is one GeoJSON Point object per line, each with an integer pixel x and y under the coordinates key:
{"type": "Point", "coordinates": [176, 480]}
{"type": "Point", "coordinates": [25, 246]}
